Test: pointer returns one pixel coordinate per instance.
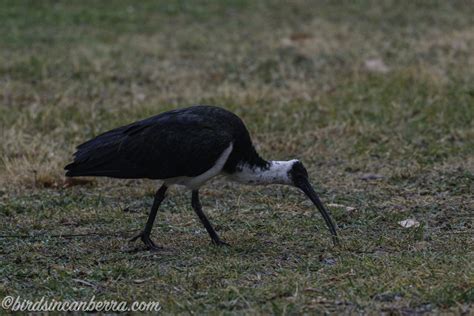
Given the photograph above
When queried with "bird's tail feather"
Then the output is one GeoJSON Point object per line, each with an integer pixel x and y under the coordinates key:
{"type": "Point", "coordinates": [101, 156]}
{"type": "Point", "coordinates": [96, 157]}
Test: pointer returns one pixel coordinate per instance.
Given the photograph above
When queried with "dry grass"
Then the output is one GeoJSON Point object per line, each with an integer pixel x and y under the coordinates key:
{"type": "Point", "coordinates": [379, 88]}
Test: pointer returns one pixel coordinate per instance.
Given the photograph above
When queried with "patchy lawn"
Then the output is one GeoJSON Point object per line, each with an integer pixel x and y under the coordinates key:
{"type": "Point", "coordinates": [376, 98]}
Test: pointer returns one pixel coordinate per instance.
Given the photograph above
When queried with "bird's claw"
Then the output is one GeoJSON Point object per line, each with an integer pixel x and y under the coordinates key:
{"type": "Point", "coordinates": [145, 237]}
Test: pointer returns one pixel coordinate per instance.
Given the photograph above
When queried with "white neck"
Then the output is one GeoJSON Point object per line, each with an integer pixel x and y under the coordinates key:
{"type": "Point", "coordinates": [276, 173]}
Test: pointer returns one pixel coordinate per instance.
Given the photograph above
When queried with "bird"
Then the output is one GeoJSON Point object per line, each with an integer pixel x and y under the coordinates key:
{"type": "Point", "coordinates": [187, 147]}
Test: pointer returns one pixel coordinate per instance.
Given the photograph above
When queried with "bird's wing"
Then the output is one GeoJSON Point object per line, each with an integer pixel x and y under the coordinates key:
{"type": "Point", "coordinates": [157, 148]}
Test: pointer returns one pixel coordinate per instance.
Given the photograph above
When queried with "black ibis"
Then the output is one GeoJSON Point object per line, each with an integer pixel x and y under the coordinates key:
{"type": "Point", "coordinates": [187, 147]}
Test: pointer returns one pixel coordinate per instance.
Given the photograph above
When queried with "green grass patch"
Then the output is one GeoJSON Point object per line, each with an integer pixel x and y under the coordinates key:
{"type": "Point", "coordinates": [375, 98]}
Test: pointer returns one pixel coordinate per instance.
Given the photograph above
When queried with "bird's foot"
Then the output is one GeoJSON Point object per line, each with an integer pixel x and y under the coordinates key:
{"type": "Point", "coordinates": [220, 243]}
{"type": "Point", "coordinates": [145, 237]}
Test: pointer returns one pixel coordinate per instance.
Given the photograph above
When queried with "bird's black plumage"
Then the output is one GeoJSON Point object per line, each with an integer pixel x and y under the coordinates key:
{"type": "Point", "coordinates": [183, 142]}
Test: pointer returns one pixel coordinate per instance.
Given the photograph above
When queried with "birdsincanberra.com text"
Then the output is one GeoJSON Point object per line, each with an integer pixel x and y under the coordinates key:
{"type": "Point", "coordinates": [18, 304]}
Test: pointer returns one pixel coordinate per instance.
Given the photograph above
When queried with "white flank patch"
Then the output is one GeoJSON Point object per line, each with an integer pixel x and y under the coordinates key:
{"type": "Point", "coordinates": [276, 173]}
{"type": "Point", "coordinates": [196, 182]}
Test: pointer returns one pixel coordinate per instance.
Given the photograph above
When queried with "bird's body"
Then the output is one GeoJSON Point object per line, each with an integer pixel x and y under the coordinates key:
{"type": "Point", "coordinates": [188, 147]}
{"type": "Point", "coordinates": [181, 143]}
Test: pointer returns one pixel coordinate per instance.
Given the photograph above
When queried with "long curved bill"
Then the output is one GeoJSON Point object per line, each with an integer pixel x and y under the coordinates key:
{"type": "Point", "coordinates": [306, 187]}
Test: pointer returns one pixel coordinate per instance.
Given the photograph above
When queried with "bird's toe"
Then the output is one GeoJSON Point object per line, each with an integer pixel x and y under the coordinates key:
{"type": "Point", "coordinates": [145, 238]}
{"type": "Point", "coordinates": [150, 244]}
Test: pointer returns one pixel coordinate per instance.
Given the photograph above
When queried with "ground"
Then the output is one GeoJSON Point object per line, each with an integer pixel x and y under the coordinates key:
{"type": "Point", "coordinates": [375, 97]}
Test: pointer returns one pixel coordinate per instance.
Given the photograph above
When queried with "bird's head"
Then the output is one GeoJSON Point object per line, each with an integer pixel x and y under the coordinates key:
{"type": "Point", "coordinates": [299, 178]}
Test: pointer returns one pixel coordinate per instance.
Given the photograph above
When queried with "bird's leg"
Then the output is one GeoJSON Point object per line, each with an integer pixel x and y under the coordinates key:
{"type": "Point", "coordinates": [202, 217]}
{"type": "Point", "coordinates": [145, 234]}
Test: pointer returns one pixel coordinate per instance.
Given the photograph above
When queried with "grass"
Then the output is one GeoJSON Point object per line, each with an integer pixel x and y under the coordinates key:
{"type": "Point", "coordinates": [381, 88]}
